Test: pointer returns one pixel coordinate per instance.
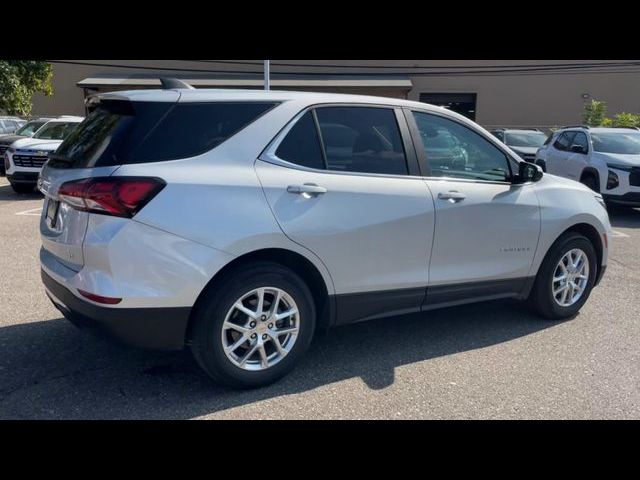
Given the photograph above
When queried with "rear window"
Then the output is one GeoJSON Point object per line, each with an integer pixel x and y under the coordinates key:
{"type": "Point", "coordinates": [120, 132]}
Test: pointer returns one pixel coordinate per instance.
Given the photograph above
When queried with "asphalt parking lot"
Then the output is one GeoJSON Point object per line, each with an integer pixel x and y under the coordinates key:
{"type": "Point", "coordinates": [483, 361]}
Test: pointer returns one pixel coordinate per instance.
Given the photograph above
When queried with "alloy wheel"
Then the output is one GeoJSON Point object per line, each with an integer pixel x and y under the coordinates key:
{"type": "Point", "coordinates": [261, 328]}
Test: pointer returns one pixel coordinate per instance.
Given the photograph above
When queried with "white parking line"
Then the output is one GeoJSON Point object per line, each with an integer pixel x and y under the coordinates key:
{"type": "Point", "coordinates": [34, 211]}
{"type": "Point", "coordinates": [614, 233]}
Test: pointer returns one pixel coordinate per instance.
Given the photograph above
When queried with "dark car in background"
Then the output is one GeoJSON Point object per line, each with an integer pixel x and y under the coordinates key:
{"type": "Point", "coordinates": [525, 142]}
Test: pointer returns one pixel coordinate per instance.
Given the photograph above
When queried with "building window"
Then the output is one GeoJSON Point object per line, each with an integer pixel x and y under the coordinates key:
{"type": "Point", "coordinates": [462, 103]}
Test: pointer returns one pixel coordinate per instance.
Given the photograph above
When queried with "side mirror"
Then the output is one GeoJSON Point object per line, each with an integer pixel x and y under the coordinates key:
{"type": "Point", "coordinates": [578, 149]}
{"type": "Point", "coordinates": [528, 172]}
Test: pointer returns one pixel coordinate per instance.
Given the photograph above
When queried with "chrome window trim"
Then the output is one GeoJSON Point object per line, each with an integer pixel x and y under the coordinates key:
{"type": "Point", "coordinates": [269, 154]}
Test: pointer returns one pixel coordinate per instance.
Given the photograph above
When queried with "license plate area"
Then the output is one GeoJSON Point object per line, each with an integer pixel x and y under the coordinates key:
{"type": "Point", "coordinates": [52, 212]}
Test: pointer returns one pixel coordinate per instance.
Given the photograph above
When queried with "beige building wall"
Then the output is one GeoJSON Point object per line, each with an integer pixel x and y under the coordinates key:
{"type": "Point", "coordinates": [534, 99]}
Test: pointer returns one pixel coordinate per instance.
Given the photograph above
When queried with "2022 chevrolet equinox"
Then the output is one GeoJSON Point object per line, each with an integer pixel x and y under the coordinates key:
{"type": "Point", "coordinates": [238, 222]}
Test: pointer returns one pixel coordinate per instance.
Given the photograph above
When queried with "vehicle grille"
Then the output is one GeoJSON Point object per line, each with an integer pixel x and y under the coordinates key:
{"type": "Point", "coordinates": [634, 177]}
{"type": "Point", "coordinates": [31, 161]}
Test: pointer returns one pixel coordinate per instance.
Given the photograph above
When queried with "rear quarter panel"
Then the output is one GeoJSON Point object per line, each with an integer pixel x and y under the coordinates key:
{"type": "Point", "coordinates": [216, 199]}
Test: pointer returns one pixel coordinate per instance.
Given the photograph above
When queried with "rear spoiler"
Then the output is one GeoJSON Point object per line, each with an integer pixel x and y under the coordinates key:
{"type": "Point", "coordinates": [171, 83]}
{"type": "Point", "coordinates": [92, 101]}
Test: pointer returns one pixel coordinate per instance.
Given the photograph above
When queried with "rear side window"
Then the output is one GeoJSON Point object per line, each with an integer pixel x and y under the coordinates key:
{"type": "Point", "coordinates": [123, 132]}
{"type": "Point", "coordinates": [301, 145]}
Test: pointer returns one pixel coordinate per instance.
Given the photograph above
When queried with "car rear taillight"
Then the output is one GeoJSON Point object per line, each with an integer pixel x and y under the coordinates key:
{"type": "Point", "coordinates": [118, 196]}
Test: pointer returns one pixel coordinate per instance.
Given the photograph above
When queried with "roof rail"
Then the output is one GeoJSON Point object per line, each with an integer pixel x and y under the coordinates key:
{"type": "Point", "coordinates": [586, 127]}
{"type": "Point", "coordinates": [502, 129]}
{"type": "Point", "coordinates": [171, 83]}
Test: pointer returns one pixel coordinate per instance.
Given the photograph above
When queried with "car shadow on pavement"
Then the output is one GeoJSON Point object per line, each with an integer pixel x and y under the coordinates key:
{"type": "Point", "coordinates": [52, 370]}
{"type": "Point", "coordinates": [8, 195]}
{"type": "Point", "coordinates": [621, 217]}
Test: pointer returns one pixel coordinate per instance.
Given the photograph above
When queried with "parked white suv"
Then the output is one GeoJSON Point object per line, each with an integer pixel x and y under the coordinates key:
{"type": "Point", "coordinates": [238, 221]}
{"type": "Point", "coordinates": [607, 160]}
{"type": "Point", "coordinates": [24, 158]}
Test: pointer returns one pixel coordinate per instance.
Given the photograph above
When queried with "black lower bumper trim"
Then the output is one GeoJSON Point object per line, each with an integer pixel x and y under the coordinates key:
{"type": "Point", "coordinates": [631, 199]}
{"type": "Point", "coordinates": [23, 177]}
{"type": "Point", "coordinates": [152, 328]}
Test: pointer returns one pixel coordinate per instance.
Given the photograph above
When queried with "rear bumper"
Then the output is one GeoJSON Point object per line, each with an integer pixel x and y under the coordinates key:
{"type": "Point", "coordinates": [151, 328]}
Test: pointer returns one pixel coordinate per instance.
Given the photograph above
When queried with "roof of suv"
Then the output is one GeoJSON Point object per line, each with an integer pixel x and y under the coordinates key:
{"type": "Point", "coordinates": [612, 130]}
{"type": "Point", "coordinates": [598, 129]}
{"type": "Point", "coordinates": [67, 118]}
{"type": "Point", "coordinates": [223, 94]}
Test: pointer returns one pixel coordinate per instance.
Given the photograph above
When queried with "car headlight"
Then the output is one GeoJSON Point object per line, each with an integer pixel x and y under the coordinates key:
{"type": "Point", "coordinates": [612, 180]}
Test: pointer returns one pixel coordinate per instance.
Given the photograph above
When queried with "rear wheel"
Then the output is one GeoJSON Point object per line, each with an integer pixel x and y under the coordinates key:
{"type": "Point", "coordinates": [22, 187]}
{"type": "Point", "coordinates": [565, 278]}
{"type": "Point", "coordinates": [252, 329]}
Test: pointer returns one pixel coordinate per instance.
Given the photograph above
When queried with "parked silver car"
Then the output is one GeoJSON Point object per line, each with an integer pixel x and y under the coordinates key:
{"type": "Point", "coordinates": [238, 222]}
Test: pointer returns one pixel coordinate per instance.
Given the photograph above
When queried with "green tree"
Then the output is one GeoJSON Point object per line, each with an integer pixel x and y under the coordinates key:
{"type": "Point", "coordinates": [19, 81]}
{"type": "Point", "coordinates": [594, 113]}
{"type": "Point", "coordinates": [625, 119]}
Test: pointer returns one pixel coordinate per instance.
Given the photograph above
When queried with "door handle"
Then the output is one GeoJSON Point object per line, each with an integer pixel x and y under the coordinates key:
{"type": "Point", "coordinates": [452, 196]}
{"type": "Point", "coordinates": [307, 189]}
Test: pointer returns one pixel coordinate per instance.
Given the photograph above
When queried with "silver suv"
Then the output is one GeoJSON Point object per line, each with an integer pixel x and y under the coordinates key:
{"type": "Point", "coordinates": [607, 160]}
{"type": "Point", "coordinates": [238, 222]}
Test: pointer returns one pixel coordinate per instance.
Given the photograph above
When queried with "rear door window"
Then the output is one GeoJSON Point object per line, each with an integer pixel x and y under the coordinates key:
{"type": "Point", "coordinates": [362, 139]}
{"type": "Point", "coordinates": [581, 139]}
{"type": "Point", "coordinates": [564, 141]}
{"type": "Point", "coordinates": [120, 132]}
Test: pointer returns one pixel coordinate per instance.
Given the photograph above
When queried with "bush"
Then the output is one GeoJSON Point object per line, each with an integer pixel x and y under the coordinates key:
{"type": "Point", "coordinates": [594, 113]}
{"type": "Point", "coordinates": [625, 119]}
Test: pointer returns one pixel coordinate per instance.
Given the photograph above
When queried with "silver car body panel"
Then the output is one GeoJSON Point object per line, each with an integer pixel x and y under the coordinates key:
{"type": "Point", "coordinates": [368, 233]}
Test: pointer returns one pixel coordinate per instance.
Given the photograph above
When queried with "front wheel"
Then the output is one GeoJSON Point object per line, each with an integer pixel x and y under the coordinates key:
{"type": "Point", "coordinates": [252, 329]}
{"type": "Point", "coordinates": [565, 278]}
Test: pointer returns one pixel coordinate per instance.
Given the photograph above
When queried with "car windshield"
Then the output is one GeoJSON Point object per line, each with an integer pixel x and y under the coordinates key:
{"type": "Point", "coordinates": [29, 128]}
{"type": "Point", "coordinates": [525, 139]}
{"type": "Point", "coordinates": [55, 130]}
{"type": "Point", "coordinates": [621, 143]}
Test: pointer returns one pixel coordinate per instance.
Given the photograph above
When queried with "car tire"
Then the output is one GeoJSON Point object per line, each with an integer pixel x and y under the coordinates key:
{"type": "Point", "coordinates": [212, 316]}
{"type": "Point", "coordinates": [22, 187]}
{"type": "Point", "coordinates": [542, 297]}
{"type": "Point", "coordinates": [590, 181]}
